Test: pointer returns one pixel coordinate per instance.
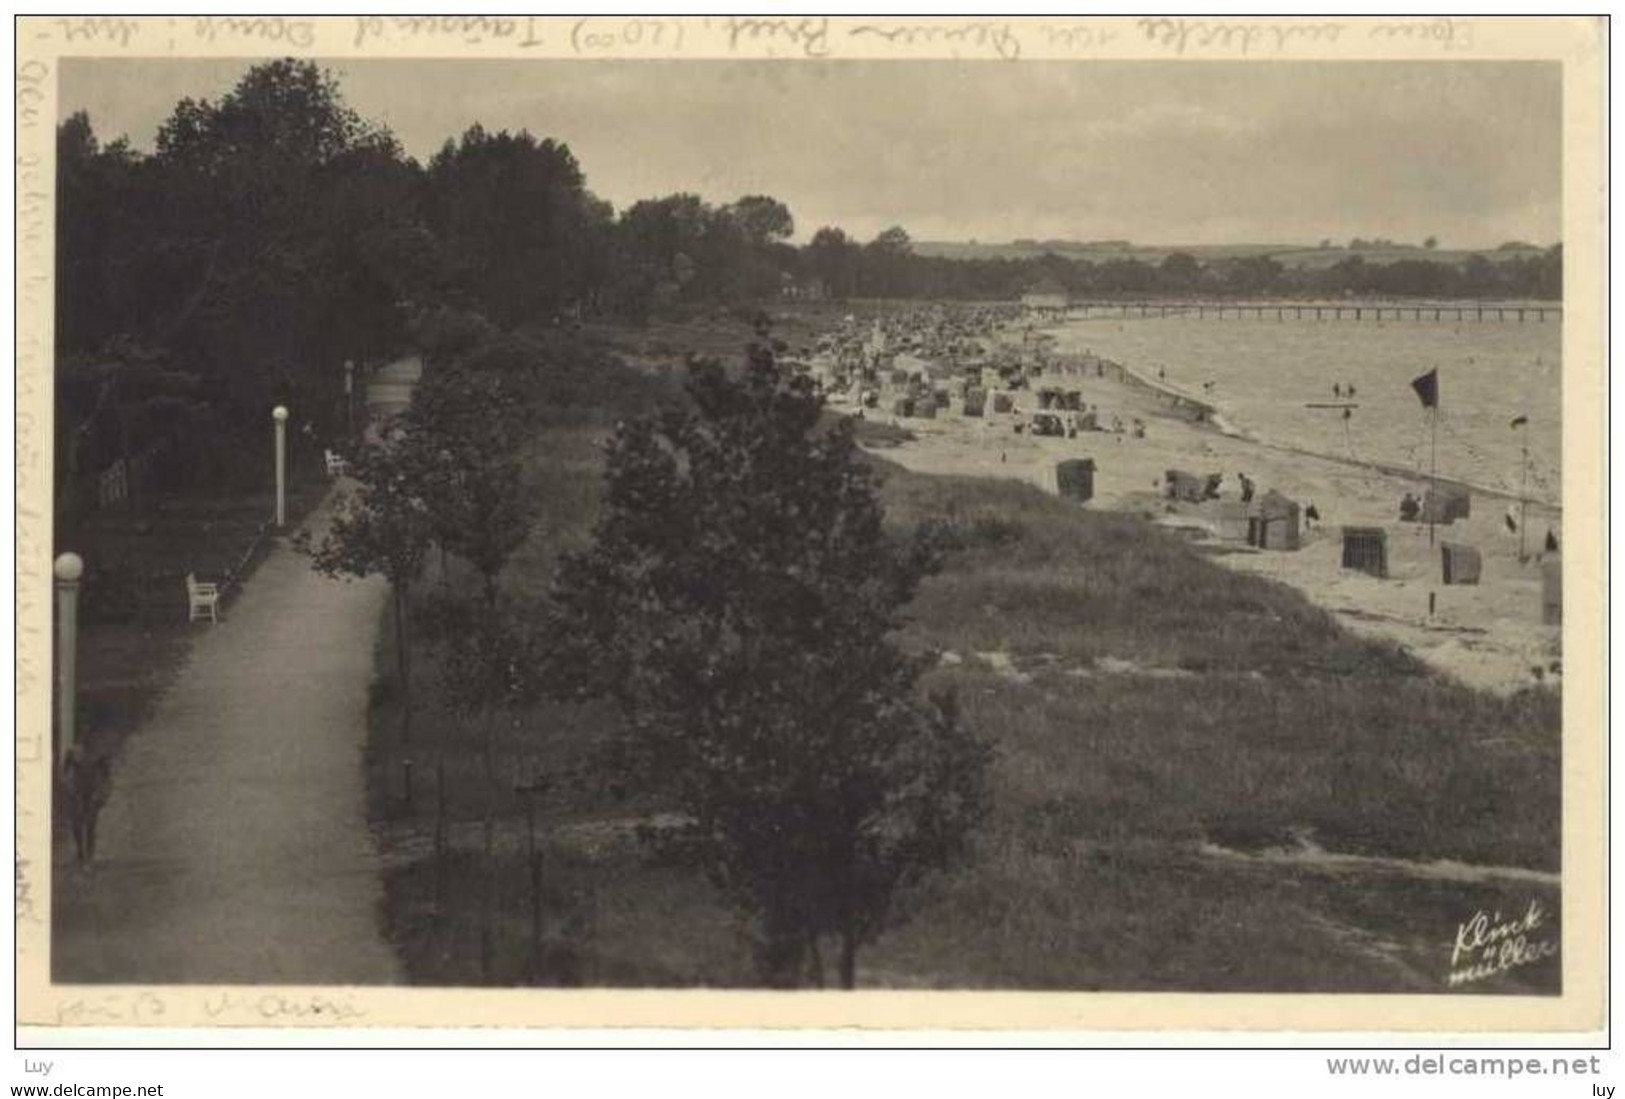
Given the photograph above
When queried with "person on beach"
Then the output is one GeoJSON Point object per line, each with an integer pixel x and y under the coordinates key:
{"type": "Point", "coordinates": [1311, 515]}
{"type": "Point", "coordinates": [1409, 508]}
{"type": "Point", "coordinates": [1246, 483]}
{"type": "Point", "coordinates": [1350, 388]}
{"type": "Point", "coordinates": [1337, 389]}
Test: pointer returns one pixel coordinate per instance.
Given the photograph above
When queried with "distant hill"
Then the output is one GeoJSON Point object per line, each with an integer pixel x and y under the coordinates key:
{"type": "Point", "coordinates": [1289, 255]}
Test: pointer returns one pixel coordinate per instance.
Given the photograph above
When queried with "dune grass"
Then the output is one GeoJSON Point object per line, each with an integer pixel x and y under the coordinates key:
{"type": "Point", "coordinates": [1235, 704]}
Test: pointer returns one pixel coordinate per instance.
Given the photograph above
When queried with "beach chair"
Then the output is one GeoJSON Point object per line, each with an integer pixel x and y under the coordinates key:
{"type": "Point", "coordinates": [337, 464]}
{"type": "Point", "coordinates": [202, 598]}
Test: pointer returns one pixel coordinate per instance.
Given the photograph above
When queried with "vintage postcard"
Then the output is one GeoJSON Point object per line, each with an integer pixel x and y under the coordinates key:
{"type": "Point", "coordinates": [1058, 524]}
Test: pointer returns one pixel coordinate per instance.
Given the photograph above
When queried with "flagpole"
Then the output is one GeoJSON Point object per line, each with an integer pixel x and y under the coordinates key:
{"type": "Point", "coordinates": [1433, 472]}
{"type": "Point", "coordinates": [1523, 492]}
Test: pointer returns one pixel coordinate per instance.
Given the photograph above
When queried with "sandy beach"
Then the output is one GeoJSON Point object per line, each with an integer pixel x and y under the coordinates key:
{"type": "Point", "coordinates": [1489, 635]}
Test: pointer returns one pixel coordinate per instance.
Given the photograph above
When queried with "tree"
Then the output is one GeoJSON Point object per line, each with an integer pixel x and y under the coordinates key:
{"type": "Point", "coordinates": [886, 266]}
{"type": "Point", "coordinates": [1479, 277]}
{"type": "Point", "coordinates": [96, 189]}
{"type": "Point", "coordinates": [1431, 243]}
{"type": "Point", "coordinates": [893, 242]}
{"type": "Point", "coordinates": [1180, 271]}
{"type": "Point", "coordinates": [738, 603]}
{"type": "Point", "coordinates": [128, 402]}
{"type": "Point", "coordinates": [489, 671]}
{"type": "Point", "coordinates": [516, 220]}
{"type": "Point", "coordinates": [1252, 274]}
{"type": "Point", "coordinates": [1548, 273]}
{"type": "Point", "coordinates": [764, 220]}
{"type": "Point", "coordinates": [258, 250]}
{"type": "Point", "coordinates": [383, 529]}
{"type": "Point", "coordinates": [834, 261]}
{"type": "Point", "coordinates": [763, 257]}
{"type": "Point", "coordinates": [466, 426]}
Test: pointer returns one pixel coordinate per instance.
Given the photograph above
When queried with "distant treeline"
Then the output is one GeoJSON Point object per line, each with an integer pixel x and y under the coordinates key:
{"type": "Point", "coordinates": [887, 268]}
{"type": "Point", "coordinates": [273, 234]}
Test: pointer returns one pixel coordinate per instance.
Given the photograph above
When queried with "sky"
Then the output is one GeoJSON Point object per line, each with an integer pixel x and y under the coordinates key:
{"type": "Point", "coordinates": [1152, 152]}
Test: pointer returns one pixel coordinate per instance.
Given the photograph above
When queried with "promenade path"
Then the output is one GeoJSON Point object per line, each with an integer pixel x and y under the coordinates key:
{"type": "Point", "coordinates": [234, 848]}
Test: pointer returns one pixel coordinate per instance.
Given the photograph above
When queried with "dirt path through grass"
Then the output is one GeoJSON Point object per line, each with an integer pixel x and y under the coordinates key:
{"type": "Point", "coordinates": [235, 848]}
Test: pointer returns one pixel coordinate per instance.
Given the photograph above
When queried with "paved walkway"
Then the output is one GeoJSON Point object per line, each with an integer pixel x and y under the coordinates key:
{"type": "Point", "coordinates": [235, 847]}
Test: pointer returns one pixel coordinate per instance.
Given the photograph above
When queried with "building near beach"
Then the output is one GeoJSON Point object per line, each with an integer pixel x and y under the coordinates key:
{"type": "Point", "coordinates": [1462, 564]}
{"type": "Point", "coordinates": [1233, 521]}
{"type": "Point", "coordinates": [1446, 502]}
{"type": "Point", "coordinates": [1551, 593]}
{"type": "Point", "coordinates": [808, 289]}
{"type": "Point", "coordinates": [1075, 479]}
{"type": "Point", "coordinates": [1179, 484]}
{"type": "Point", "coordinates": [1275, 522]}
{"type": "Point", "coordinates": [1365, 549]}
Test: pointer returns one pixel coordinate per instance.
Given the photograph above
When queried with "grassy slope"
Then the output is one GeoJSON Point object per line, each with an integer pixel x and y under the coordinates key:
{"type": "Point", "coordinates": [1284, 717]}
{"type": "Point", "coordinates": [1259, 715]}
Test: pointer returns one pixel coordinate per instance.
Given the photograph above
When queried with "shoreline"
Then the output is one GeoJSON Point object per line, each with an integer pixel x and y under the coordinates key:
{"type": "Point", "coordinates": [1490, 635]}
{"type": "Point", "coordinates": [1213, 415]}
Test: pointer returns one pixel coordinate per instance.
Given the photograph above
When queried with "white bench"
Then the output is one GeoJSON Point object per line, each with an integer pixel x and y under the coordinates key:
{"type": "Point", "coordinates": [204, 598]}
{"type": "Point", "coordinates": [337, 464]}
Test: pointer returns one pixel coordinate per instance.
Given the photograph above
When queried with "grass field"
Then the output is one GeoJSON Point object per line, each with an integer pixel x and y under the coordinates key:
{"type": "Point", "coordinates": [1148, 708]}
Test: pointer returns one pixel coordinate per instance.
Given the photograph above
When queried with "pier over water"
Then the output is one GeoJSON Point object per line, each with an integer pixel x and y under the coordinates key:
{"type": "Point", "coordinates": [1440, 312]}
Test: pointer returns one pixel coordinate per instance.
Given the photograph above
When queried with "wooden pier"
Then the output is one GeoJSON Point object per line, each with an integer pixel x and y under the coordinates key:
{"type": "Point", "coordinates": [1477, 312]}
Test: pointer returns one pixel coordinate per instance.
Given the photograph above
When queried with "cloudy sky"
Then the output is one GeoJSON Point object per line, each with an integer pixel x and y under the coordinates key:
{"type": "Point", "coordinates": [1157, 153]}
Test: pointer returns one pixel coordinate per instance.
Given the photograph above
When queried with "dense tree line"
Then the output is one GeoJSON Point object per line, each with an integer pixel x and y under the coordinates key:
{"type": "Point", "coordinates": [274, 234]}
{"type": "Point", "coordinates": [888, 267]}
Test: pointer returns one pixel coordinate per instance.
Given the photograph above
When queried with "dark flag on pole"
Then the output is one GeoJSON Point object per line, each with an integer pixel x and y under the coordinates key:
{"type": "Point", "coordinates": [1427, 388]}
{"type": "Point", "coordinates": [1519, 421]}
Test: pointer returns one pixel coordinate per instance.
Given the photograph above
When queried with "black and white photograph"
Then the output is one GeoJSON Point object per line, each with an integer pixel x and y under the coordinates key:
{"type": "Point", "coordinates": [806, 522]}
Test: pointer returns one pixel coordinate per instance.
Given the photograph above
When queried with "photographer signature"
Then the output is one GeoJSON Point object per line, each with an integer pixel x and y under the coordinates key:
{"type": "Point", "coordinates": [1488, 944]}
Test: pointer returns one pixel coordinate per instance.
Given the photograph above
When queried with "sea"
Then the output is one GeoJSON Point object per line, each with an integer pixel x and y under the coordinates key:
{"type": "Point", "coordinates": [1281, 381]}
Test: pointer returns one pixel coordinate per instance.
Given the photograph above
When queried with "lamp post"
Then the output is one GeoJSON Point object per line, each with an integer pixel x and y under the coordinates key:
{"type": "Point", "coordinates": [68, 569]}
{"type": "Point", "coordinates": [280, 415]}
